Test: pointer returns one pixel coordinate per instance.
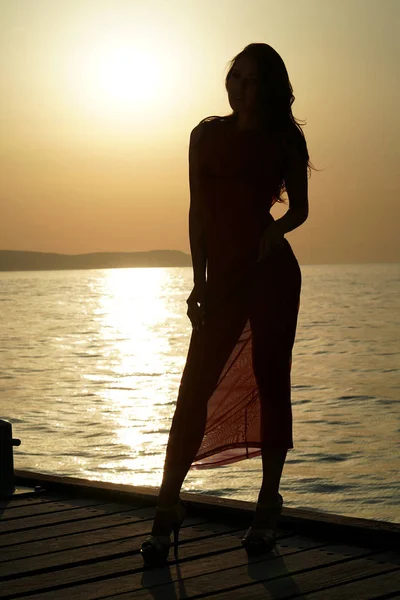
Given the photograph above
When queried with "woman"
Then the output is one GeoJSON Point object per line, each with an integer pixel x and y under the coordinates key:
{"type": "Point", "coordinates": [234, 397]}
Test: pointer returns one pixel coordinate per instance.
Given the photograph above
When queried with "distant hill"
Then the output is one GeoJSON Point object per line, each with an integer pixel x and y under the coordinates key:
{"type": "Point", "coordinates": [16, 260]}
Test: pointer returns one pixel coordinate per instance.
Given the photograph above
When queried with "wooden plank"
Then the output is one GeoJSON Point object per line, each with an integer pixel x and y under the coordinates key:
{"type": "Point", "coordinates": [201, 571]}
{"type": "Point", "coordinates": [194, 545]}
{"type": "Point", "coordinates": [302, 585]}
{"type": "Point", "coordinates": [280, 578]}
{"type": "Point", "coordinates": [82, 547]}
{"type": "Point", "coordinates": [62, 516]}
{"type": "Point", "coordinates": [333, 526]}
{"type": "Point", "coordinates": [85, 487]}
{"type": "Point", "coordinates": [106, 533]}
{"type": "Point", "coordinates": [382, 586]}
{"type": "Point", "coordinates": [373, 586]}
{"type": "Point", "coordinates": [35, 548]}
{"type": "Point", "coordinates": [31, 500]}
{"type": "Point", "coordinates": [327, 583]}
{"type": "Point", "coordinates": [70, 527]}
{"type": "Point", "coordinates": [48, 507]}
{"type": "Point", "coordinates": [281, 569]}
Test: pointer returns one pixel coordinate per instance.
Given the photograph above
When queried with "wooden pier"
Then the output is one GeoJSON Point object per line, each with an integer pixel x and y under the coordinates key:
{"type": "Point", "coordinates": [74, 539]}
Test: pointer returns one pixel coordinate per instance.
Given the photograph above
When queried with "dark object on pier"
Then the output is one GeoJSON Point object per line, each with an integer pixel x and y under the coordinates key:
{"type": "Point", "coordinates": [7, 486]}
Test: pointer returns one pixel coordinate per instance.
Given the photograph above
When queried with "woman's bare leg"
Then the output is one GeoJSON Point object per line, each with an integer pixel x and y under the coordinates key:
{"type": "Point", "coordinates": [271, 365]}
{"type": "Point", "coordinates": [208, 352]}
{"type": "Point", "coordinates": [182, 448]}
{"type": "Point", "coordinates": [273, 460]}
{"type": "Point", "coordinates": [273, 318]}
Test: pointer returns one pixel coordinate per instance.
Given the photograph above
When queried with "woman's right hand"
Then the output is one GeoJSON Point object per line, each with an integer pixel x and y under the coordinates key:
{"type": "Point", "coordinates": [196, 305]}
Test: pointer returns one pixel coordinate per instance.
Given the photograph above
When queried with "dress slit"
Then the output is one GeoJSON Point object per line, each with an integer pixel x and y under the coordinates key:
{"type": "Point", "coordinates": [233, 412]}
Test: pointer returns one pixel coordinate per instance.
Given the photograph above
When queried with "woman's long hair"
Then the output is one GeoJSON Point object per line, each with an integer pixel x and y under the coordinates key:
{"type": "Point", "coordinates": [276, 97]}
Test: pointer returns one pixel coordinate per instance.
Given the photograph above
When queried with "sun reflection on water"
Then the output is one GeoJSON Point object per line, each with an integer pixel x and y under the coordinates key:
{"type": "Point", "coordinates": [133, 305]}
{"type": "Point", "coordinates": [135, 313]}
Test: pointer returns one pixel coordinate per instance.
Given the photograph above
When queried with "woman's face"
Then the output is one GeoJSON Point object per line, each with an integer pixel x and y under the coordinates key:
{"type": "Point", "coordinates": [243, 85]}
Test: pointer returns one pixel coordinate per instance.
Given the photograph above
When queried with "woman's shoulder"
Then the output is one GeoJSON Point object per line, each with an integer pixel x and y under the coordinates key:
{"type": "Point", "coordinates": [205, 127]}
{"type": "Point", "coordinates": [212, 121]}
{"type": "Point", "coordinates": [209, 123]}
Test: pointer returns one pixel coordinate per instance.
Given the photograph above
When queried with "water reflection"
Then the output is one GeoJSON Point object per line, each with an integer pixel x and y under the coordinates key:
{"type": "Point", "coordinates": [136, 313]}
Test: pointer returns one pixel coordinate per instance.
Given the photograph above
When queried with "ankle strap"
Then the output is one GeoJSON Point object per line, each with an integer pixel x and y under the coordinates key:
{"type": "Point", "coordinates": [277, 504]}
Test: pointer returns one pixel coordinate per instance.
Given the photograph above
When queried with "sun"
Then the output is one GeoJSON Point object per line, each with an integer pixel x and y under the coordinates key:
{"type": "Point", "coordinates": [126, 76]}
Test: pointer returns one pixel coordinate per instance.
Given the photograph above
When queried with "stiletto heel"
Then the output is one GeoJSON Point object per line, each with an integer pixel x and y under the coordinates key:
{"type": "Point", "coordinates": [260, 538]}
{"type": "Point", "coordinates": [155, 548]}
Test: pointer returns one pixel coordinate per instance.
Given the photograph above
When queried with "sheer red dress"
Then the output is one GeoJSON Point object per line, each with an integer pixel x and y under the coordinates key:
{"type": "Point", "coordinates": [240, 361]}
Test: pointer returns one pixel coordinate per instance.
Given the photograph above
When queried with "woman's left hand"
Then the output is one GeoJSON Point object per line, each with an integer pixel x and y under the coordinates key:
{"type": "Point", "coordinates": [271, 240]}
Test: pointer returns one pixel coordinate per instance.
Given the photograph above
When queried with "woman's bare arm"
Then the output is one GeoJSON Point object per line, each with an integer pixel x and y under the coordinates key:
{"type": "Point", "coordinates": [196, 220]}
{"type": "Point", "coordinates": [296, 182]}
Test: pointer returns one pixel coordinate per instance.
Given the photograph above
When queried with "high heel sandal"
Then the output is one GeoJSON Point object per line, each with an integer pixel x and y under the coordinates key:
{"type": "Point", "coordinates": [260, 538]}
{"type": "Point", "coordinates": [155, 548]}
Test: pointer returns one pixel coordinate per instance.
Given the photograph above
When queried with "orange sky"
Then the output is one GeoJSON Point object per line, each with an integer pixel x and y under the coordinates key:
{"type": "Point", "coordinates": [99, 99]}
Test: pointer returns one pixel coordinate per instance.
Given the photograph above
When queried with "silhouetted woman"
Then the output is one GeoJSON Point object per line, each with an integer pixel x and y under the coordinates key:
{"type": "Point", "coordinates": [234, 397]}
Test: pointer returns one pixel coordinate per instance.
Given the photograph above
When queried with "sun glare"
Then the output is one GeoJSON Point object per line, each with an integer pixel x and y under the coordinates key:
{"type": "Point", "coordinates": [127, 76]}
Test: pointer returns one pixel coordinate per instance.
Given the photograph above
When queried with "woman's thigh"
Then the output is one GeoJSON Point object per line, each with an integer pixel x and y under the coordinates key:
{"type": "Point", "coordinates": [209, 350]}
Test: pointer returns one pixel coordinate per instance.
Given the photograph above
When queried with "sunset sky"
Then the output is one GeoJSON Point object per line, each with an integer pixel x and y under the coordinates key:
{"type": "Point", "coordinates": [98, 98]}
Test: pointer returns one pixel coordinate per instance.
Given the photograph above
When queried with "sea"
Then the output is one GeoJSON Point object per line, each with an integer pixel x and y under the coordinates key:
{"type": "Point", "coordinates": [91, 362]}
